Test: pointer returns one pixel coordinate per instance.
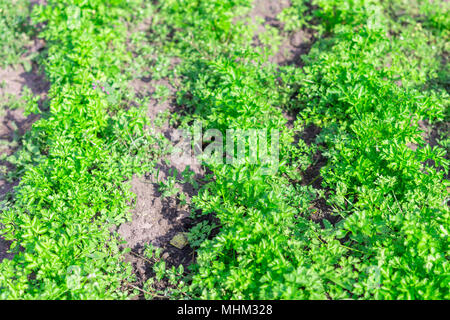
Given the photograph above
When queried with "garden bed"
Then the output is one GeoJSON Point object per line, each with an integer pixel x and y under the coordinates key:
{"type": "Point", "coordinates": [354, 206]}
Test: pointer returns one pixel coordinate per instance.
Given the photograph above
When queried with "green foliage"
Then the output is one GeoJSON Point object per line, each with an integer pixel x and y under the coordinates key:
{"type": "Point", "coordinates": [167, 282]}
{"type": "Point", "coordinates": [296, 16]}
{"type": "Point", "coordinates": [15, 31]}
{"type": "Point", "coordinates": [74, 162]}
{"type": "Point", "coordinates": [162, 92]}
{"type": "Point", "coordinates": [366, 84]}
{"type": "Point", "coordinates": [398, 213]}
{"type": "Point", "coordinates": [371, 223]}
{"type": "Point", "coordinates": [199, 233]}
{"type": "Point", "coordinates": [168, 187]}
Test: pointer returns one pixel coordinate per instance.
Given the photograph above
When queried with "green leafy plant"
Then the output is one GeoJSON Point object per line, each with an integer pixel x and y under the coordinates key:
{"type": "Point", "coordinates": [74, 161]}
{"type": "Point", "coordinates": [172, 279]}
{"type": "Point", "coordinates": [357, 208]}
{"type": "Point", "coordinates": [15, 32]}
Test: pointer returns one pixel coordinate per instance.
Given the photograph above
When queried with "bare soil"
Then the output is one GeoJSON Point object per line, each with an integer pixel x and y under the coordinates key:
{"type": "Point", "coordinates": [294, 44]}
{"type": "Point", "coordinates": [156, 220]}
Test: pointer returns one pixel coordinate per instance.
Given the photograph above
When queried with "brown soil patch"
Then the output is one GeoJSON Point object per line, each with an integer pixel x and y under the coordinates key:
{"type": "Point", "coordinates": [156, 220]}
{"type": "Point", "coordinates": [431, 133]}
{"type": "Point", "coordinates": [294, 44]}
{"type": "Point", "coordinates": [14, 122]}
{"type": "Point", "coordinates": [4, 247]}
